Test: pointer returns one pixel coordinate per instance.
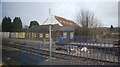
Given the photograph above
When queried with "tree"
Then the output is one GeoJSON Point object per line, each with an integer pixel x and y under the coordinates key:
{"type": "Point", "coordinates": [33, 23]}
{"type": "Point", "coordinates": [87, 21]}
{"type": "Point", "coordinates": [7, 24]}
{"type": "Point", "coordinates": [111, 28]}
{"type": "Point", "coordinates": [25, 27]}
{"type": "Point", "coordinates": [17, 24]}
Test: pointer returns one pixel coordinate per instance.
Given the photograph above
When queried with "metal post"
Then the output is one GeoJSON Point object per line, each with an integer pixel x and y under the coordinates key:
{"type": "Point", "coordinates": [109, 51]}
{"type": "Point", "coordinates": [113, 55]}
{"type": "Point", "coordinates": [90, 54]}
{"type": "Point", "coordinates": [50, 40]}
{"type": "Point", "coordinates": [105, 52]}
{"type": "Point", "coordinates": [86, 54]}
{"type": "Point", "coordinates": [38, 53]}
{"type": "Point", "coordinates": [20, 55]}
{"type": "Point", "coordinates": [80, 53]}
{"type": "Point", "coordinates": [101, 53]}
{"type": "Point", "coordinates": [118, 57]}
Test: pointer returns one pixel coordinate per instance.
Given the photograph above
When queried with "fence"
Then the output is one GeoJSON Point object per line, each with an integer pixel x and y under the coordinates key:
{"type": "Point", "coordinates": [78, 51]}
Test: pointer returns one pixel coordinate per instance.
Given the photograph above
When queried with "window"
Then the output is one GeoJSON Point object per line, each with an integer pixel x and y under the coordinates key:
{"type": "Point", "coordinates": [64, 34]}
{"type": "Point", "coordinates": [67, 22]}
{"type": "Point", "coordinates": [40, 35]}
{"type": "Point", "coordinates": [71, 35]}
{"type": "Point", "coordinates": [63, 21]}
{"type": "Point", "coordinates": [34, 34]}
{"type": "Point", "coordinates": [60, 21]}
{"type": "Point", "coordinates": [29, 35]}
{"type": "Point", "coordinates": [71, 24]}
{"type": "Point", "coordinates": [47, 35]}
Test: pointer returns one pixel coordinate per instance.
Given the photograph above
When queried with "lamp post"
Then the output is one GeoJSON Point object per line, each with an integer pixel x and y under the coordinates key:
{"type": "Point", "coordinates": [50, 41]}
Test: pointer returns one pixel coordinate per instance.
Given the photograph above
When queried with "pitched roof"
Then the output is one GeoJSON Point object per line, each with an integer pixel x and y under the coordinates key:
{"type": "Point", "coordinates": [45, 28]}
{"type": "Point", "coordinates": [66, 28]}
{"type": "Point", "coordinates": [60, 21]}
{"type": "Point", "coordinates": [65, 22]}
{"type": "Point", "coordinates": [53, 21]}
{"type": "Point", "coordinates": [38, 28]}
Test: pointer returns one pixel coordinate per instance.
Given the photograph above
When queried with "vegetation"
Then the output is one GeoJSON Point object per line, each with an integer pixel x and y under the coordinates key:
{"type": "Point", "coordinates": [7, 24]}
{"type": "Point", "coordinates": [88, 22]}
{"type": "Point", "coordinates": [17, 24]}
{"type": "Point", "coordinates": [33, 23]}
{"type": "Point", "coordinates": [111, 28]}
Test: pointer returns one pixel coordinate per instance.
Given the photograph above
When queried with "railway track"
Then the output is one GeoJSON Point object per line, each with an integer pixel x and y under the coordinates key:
{"type": "Point", "coordinates": [54, 54]}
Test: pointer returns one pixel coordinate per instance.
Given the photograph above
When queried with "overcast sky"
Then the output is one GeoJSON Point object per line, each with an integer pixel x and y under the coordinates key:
{"type": "Point", "coordinates": [106, 12]}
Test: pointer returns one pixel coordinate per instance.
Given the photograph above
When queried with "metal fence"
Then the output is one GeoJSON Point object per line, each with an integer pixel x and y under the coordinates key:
{"type": "Point", "coordinates": [83, 50]}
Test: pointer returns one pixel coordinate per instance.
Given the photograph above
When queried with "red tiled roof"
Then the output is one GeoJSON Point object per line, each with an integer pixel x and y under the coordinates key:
{"type": "Point", "coordinates": [65, 22]}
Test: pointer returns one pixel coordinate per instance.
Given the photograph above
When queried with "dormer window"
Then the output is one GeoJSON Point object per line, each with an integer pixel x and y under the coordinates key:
{"type": "Point", "coordinates": [66, 22]}
{"type": "Point", "coordinates": [71, 24]}
{"type": "Point", "coordinates": [60, 20]}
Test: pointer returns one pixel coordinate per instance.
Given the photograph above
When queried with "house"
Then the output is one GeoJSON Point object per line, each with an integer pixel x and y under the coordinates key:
{"type": "Point", "coordinates": [41, 32]}
{"type": "Point", "coordinates": [60, 26]}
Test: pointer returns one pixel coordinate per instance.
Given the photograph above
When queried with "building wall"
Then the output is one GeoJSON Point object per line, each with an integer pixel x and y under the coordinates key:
{"type": "Point", "coordinates": [12, 35]}
{"type": "Point", "coordinates": [5, 34]}
{"type": "Point", "coordinates": [67, 34]}
{"type": "Point", "coordinates": [21, 35]}
{"type": "Point", "coordinates": [17, 34]}
{"type": "Point", "coordinates": [36, 35]}
{"type": "Point", "coordinates": [39, 35]}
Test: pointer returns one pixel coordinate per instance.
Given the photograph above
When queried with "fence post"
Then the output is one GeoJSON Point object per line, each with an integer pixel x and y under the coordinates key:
{"type": "Point", "coordinates": [80, 53]}
{"type": "Point", "coordinates": [109, 51]}
{"type": "Point", "coordinates": [93, 52]}
{"type": "Point", "coordinates": [113, 55]}
{"type": "Point", "coordinates": [38, 53]}
{"type": "Point", "coordinates": [97, 51]}
{"type": "Point", "coordinates": [20, 55]}
{"type": "Point", "coordinates": [86, 54]}
{"type": "Point", "coordinates": [90, 54]}
{"type": "Point", "coordinates": [118, 57]}
{"type": "Point", "coordinates": [105, 52]}
{"type": "Point", "coordinates": [101, 52]}
{"type": "Point", "coordinates": [68, 46]}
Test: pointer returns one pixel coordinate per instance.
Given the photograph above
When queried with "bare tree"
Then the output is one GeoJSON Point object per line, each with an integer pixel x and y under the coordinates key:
{"type": "Point", "coordinates": [87, 21]}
